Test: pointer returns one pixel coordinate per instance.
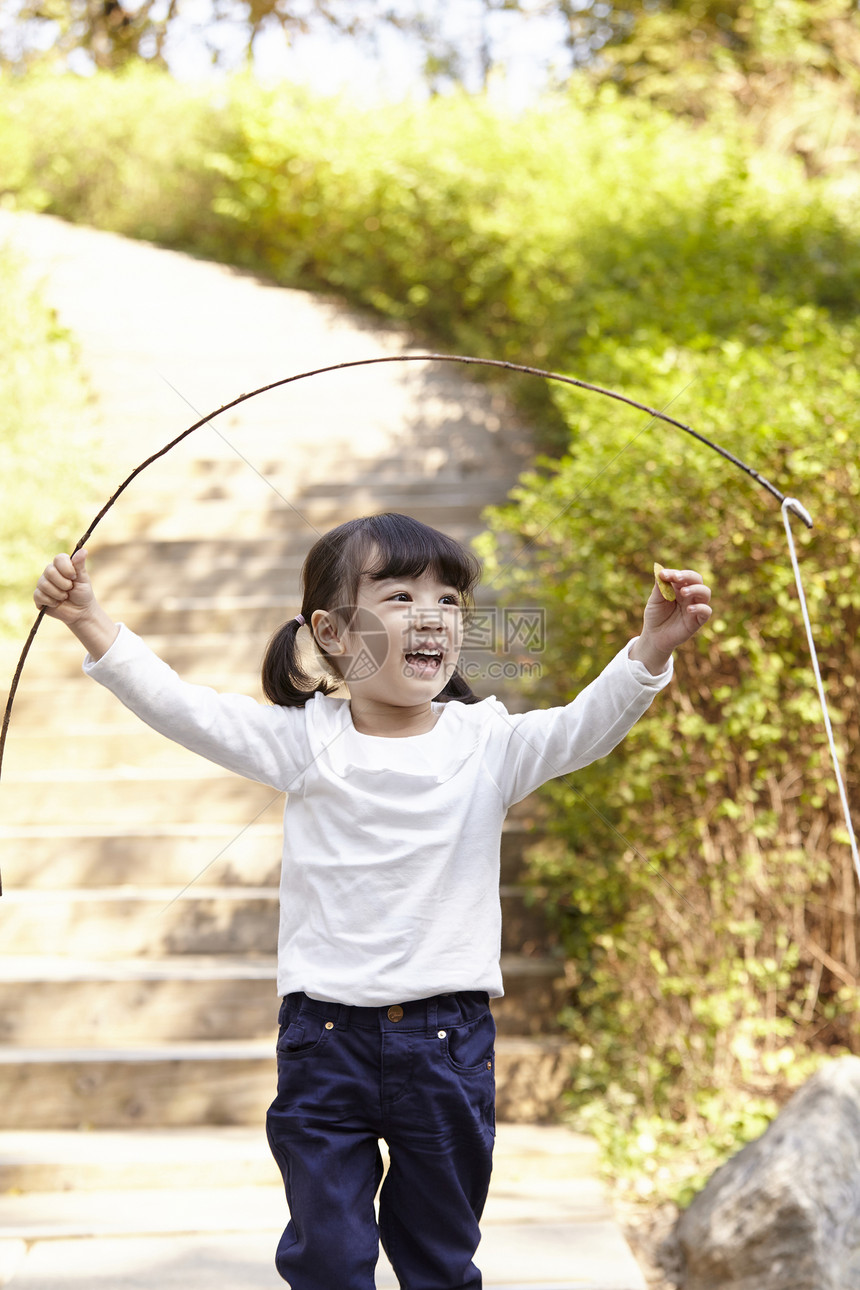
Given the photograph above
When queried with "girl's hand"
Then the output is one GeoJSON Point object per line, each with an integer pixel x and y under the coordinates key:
{"type": "Point", "coordinates": [65, 592]}
{"type": "Point", "coordinates": [669, 623]}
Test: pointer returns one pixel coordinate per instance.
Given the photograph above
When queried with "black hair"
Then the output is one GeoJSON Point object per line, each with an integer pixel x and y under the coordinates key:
{"type": "Point", "coordinates": [377, 547]}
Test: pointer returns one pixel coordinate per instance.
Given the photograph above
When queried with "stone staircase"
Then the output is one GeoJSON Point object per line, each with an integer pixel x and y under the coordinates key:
{"type": "Point", "coordinates": [137, 930]}
{"type": "Point", "coordinates": [138, 925]}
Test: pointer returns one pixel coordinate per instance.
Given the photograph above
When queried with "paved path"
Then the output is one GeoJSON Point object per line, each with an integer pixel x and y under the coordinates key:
{"type": "Point", "coordinates": [164, 336]}
{"type": "Point", "coordinates": [189, 1208]}
{"type": "Point", "coordinates": [547, 1223]}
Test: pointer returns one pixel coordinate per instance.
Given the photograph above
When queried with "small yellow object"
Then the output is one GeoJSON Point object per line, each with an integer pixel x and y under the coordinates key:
{"type": "Point", "coordinates": [667, 591]}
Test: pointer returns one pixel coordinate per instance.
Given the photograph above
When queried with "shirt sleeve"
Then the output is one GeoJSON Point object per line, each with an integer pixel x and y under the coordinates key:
{"type": "Point", "coordinates": [527, 749]}
{"type": "Point", "coordinates": [267, 744]}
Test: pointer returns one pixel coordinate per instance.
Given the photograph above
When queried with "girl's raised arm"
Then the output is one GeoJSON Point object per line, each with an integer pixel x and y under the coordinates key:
{"type": "Point", "coordinates": [66, 593]}
{"type": "Point", "coordinates": [261, 742]}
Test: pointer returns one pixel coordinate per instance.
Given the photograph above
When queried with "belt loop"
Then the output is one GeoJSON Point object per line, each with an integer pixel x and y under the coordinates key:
{"type": "Point", "coordinates": [432, 1014]}
{"type": "Point", "coordinates": [342, 1021]}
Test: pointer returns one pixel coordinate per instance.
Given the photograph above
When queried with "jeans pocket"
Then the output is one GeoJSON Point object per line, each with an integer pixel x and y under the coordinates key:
{"type": "Point", "coordinates": [300, 1037]}
{"type": "Point", "coordinates": [469, 1047]}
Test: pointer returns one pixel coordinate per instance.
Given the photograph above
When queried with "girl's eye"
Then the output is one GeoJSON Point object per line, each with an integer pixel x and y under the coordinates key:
{"type": "Point", "coordinates": [450, 598]}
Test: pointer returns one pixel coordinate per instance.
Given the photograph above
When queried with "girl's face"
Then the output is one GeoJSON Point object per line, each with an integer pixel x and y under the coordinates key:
{"type": "Point", "coordinates": [403, 641]}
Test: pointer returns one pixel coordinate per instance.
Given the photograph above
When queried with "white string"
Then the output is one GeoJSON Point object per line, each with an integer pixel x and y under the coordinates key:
{"type": "Point", "coordinates": [791, 504]}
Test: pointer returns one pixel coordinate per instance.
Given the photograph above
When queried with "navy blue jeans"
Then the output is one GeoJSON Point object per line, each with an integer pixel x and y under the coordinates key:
{"type": "Point", "coordinates": [420, 1076]}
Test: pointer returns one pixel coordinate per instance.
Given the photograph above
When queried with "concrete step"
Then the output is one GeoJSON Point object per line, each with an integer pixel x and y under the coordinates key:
{"type": "Point", "coordinates": [264, 514]}
{"type": "Point", "coordinates": [168, 854]}
{"type": "Point", "coordinates": [103, 797]}
{"type": "Point", "coordinates": [118, 1161]}
{"type": "Point", "coordinates": [265, 575]}
{"type": "Point", "coordinates": [586, 1253]}
{"type": "Point", "coordinates": [218, 1082]}
{"type": "Point", "coordinates": [409, 470]}
{"type": "Point", "coordinates": [489, 479]}
{"type": "Point", "coordinates": [108, 923]}
{"type": "Point", "coordinates": [203, 997]}
{"type": "Point", "coordinates": [57, 654]}
{"type": "Point", "coordinates": [172, 854]}
{"type": "Point", "coordinates": [117, 1204]}
{"type": "Point", "coordinates": [183, 614]}
{"type": "Point", "coordinates": [242, 482]}
{"type": "Point", "coordinates": [212, 1082]}
{"type": "Point", "coordinates": [81, 1171]}
{"type": "Point", "coordinates": [305, 515]}
{"type": "Point", "coordinates": [127, 749]}
{"type": "Point", "coordinates": [168, 1210]}
{"type": "Point", "coordinates": [232, 1207]}
{"type": "Point", "coordinates": [78, 706]}
{"type": "Point", "coordinates": [168, 1000]}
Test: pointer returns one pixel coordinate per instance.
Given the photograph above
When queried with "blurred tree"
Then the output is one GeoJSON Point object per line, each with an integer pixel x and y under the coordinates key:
{"type": "Point", "coordinates": [790, 67]}
{"type": "Point", "coordinates": [660, 48]}
{"type": "Point", "coordinates": [671, 42]}
{"type": "Point", "coordinates": [115, 32]}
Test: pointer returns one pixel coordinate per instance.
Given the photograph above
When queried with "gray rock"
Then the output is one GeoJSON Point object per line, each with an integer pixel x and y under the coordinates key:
{"type": "Point", "coordinates": [784, 1213]}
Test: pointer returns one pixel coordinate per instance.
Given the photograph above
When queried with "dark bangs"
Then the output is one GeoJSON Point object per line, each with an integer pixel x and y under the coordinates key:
{"type": "Point", "coordinates": [397, 546]}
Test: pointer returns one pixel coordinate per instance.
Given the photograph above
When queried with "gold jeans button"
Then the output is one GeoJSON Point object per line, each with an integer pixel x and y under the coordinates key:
{"type": "Point", "coordinates": [395, 1012]}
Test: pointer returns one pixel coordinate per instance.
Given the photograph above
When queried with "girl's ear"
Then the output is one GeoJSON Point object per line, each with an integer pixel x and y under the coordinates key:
{"type": "Point", "coordinates": [327, 632]}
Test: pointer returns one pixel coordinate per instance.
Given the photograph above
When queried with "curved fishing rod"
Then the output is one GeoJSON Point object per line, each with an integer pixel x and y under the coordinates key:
{"type": "Point", "coordinates": [522, 368]}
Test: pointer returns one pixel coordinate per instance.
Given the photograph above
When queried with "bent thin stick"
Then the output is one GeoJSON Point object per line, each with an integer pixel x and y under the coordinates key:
{"type": "Point", "coordinates": [368, 362]}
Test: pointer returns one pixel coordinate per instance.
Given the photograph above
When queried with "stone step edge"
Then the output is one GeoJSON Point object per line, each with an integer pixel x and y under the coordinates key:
{"type": "Point", "coordinates": [413, 489]}
{"type": "Point", "coordinates": [244, 1207]}
{"type": "Point", "coordinates": [28, 969]}
{"type": "Point", "coordinates": [224, 471]}
{"type": "Point", "coordinates": [228, 1143]}
{"type": "Point", "coordinates": [514, 823]}
{"type": "Point", "coordinates": [131, 895]}
{"type": "Point", "coordinates": [143, 896]}
{"type": "Point", "coordinates": [33, 832]}
{"type": "Point", "coordinates": [219, 1160]}
{"type": "Point", "coordinates": [22, 969]}
{"type": "Point", "coordinates": [224, 1050]}
{"type": "Point", "coordinates": [91, 1214]}
{"type": "Point", "coordinates": [123, 775]}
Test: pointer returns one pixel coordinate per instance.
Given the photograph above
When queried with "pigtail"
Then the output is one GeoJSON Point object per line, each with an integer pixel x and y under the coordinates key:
{"type": "Point", "coordinates": [457, 690]}
{"type": "Point", "coordinates": [285, 682]}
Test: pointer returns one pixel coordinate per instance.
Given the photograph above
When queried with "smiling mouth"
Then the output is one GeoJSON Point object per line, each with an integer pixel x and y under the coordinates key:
{"type": "Point", "coordinates": [424, 662]}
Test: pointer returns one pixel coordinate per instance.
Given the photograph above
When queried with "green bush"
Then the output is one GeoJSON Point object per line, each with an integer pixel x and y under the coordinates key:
{"type": "Point", "coordinates": [586, 224]}
{"type": "Point", "coordinates": [128, 153]}
{"type": "Point", "coordinates": [49, 460]}
{"type": "Point", "coordinates": [709, 909]}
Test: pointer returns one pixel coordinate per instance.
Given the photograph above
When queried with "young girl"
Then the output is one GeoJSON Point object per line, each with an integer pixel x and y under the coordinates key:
{"type": "Point", "coordinates": [390, 922]}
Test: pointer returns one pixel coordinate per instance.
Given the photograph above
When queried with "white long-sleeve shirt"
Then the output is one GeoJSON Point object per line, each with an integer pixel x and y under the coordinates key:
{"type": "Point", "coordinates": [390, 877]}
